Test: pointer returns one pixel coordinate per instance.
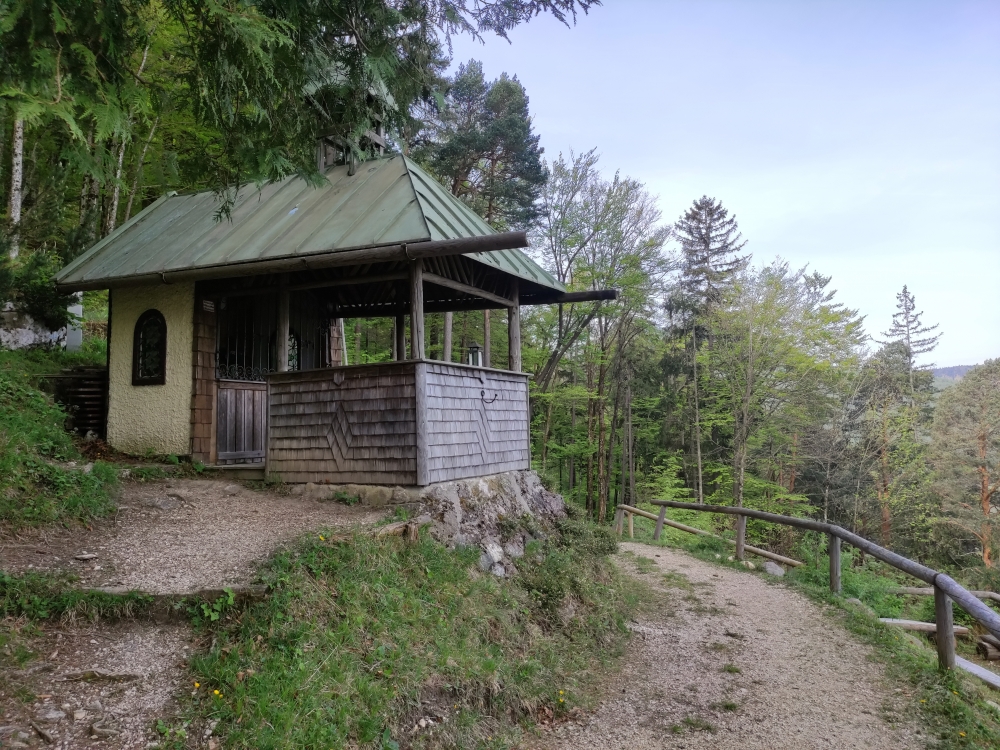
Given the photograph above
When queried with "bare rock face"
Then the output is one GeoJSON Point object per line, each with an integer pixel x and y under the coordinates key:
{"type": "Point", "coordinates": [500, 513]}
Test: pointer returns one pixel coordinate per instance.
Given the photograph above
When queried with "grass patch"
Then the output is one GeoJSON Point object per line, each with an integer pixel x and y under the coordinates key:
{"type": "Point", "coordinates": [37, 485]}
{"type": "Point", "coordinates": [732, 669]}
{"type": "Point", "coordinates": [361, 640]}
{"type": "Point", "coordinates": [38, 596]}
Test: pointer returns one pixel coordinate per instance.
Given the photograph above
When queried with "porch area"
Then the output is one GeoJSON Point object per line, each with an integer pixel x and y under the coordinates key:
{"type": "Point", "coordinates": [407, 423]}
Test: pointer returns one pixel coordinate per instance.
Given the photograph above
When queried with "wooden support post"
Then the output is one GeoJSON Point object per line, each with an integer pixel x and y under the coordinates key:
{"type": "Point", "coordinates": [282, 347]}
{"type": "Point", "coordinates": [486, 338]}
{"type": "Point", "coordinates": [417, 309]}
{"type": "Point", "coordinates": [741, 536]}
{"type": "Point", "coordinates": [514, 329]}
{"type": "Point", "coordinates": [834, 551]}
{"type": "Point", "coordinates": [399, 334]}
{"type": "Point", "coordinates": [631, 525]}
{"type": "Point", "coordinates": [659, 523]}
{"type": "Point", "coordinates": [619, 515]}
{"type": "Point", "coordinates": [945, 635]}
{"type": "Point", "coordinates": [449, 321]}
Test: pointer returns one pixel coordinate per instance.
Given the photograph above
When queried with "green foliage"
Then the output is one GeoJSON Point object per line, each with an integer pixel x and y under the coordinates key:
{"type": "Point", "coordinates": [208, 612]}
{"type": "Point", "coordinates": [27, 283]}
{"type": "Point", "coordinates": [966, 454]}
{"type": "Point", "coordinates": [37, 485]}
{"type": "Point", "coordinates": [356, 634]}
{"type": "Point", "coordinates": [484, 150]}
{"type": "Point", "coordinates": [345, 498]}
{"type": "Point", "coordinates": [37, 596]}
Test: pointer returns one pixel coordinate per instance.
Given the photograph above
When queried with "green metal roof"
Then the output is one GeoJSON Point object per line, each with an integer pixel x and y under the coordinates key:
{"type": "Point", "coordinates": [388, 201]}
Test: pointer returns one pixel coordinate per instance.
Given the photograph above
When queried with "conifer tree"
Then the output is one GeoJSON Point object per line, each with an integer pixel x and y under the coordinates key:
{"type": "Point", "coordinates": [486, 149]}
{"type": "Point", "coordinates": [710, 241]}
{"type": "Point", "coordinates": [908, 330]}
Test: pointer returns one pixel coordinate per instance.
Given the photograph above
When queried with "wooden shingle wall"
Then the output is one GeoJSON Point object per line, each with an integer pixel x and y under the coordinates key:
{"type": "Point", "coordinates": [476, 422]}
{"type": "Point", "coordinates": [344, 425]}
{"type": "Point", "coordinates": [203, 389]}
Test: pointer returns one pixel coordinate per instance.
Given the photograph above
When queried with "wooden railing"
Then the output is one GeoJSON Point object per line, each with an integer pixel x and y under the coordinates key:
{"type": "Point", "coordinates": [946, 589]}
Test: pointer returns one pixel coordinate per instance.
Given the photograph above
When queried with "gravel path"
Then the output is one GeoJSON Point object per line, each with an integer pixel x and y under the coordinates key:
{"type": "Point", "coordinates": [180, 535]}
{"type": "Point", "coordinates": [95, 686]}
{"type": "Point", "coordinates": [737, 662]}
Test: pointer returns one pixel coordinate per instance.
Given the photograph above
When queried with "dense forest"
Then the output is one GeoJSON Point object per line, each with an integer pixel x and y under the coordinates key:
{"type": "Point", "coordinates": [719, 375]}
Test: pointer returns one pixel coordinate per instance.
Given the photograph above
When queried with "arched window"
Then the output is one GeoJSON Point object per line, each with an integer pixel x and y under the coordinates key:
{"type": "Point", "coordinates": [149, 349]}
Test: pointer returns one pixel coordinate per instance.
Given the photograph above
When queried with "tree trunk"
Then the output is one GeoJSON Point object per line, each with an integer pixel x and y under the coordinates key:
{"type": "Point", "coordinates": [138, 169]}
{"type": "Point", "coordinates": [16, 186]}
{"type": "Point", "coordinates": [697, 415]}
{"type": "Point", "coordinates": [572, 424]}
{"type": "Point", "coordinates": [631, 449]}
{"type": "Point", "coordinates": [985, 497]}
{"type": "Point", "coordinates": [111, 217]}
{"type": "Point", "coordinates": [487, 339]}
{"type": "Point", "coordinates": [607, 459]}
{"type": "Point", "coordinates": [739, 471]}
{"type": "Point", "coordinates": [449, 319]}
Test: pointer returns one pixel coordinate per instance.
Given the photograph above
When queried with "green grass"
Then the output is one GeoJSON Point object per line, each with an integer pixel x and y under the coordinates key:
{"type": "Point", "coordinates": [357, 635]}
{"type": "Point", "coordinates": [36, 484]}
{"type": "Point", "coordinates": [950, 705]}
{"type": "Point", "coordinates": [39, 596]}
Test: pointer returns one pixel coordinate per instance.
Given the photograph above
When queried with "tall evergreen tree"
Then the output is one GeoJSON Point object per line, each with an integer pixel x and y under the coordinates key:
{"type": "Point", "coordinates": [908, 330]}
{"type": "Point", "coordinates": [486, 150]}
{"type": "Point", "coordinates": [710, 243]}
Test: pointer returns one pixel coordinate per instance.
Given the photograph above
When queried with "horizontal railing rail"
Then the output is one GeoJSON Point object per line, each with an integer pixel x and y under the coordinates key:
{"type": "Point", "coordinates": [946, 589]}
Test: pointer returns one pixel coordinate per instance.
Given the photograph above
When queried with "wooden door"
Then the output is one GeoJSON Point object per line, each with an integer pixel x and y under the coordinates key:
{"type": "Point", "coordinates": [241, 422]}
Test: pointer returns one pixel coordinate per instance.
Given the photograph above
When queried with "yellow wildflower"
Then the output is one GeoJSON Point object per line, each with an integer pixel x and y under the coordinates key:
{"type": "Point", "coordinates": [197, 684]}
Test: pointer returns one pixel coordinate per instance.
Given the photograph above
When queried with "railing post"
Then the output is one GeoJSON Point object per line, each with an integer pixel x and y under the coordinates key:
{"type": "Point", "coordinates": [631, 521]}
{"type": "Point", "coordinates": [741, 535]}
{"type": "Point", "coordinates": [619, 514]}
{"type": "Point", "coordinates": [659, 523]}
{"type": "Point", "coordinates": [834, 550]}
{"type": "Point", "coordinates": [945, 635]}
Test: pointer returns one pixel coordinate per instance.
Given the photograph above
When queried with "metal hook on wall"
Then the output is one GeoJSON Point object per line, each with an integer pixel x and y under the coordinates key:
{"type": "Point", "coordinates": [482, 395]}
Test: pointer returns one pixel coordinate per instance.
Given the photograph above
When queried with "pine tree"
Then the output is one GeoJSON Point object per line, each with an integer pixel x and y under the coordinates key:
{"type": "Point", "coordinates": [485, 149]}
{"type": "Point", "coordinates": [710, 241]}
{"type": "Point", "coordinates": [910, 332]}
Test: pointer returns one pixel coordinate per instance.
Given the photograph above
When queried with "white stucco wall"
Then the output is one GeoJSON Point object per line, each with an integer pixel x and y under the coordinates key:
{"type": "Point", "coordinates": [153, 418]}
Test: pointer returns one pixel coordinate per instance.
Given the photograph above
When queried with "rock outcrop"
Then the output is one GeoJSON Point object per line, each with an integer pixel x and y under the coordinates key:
{"type": "Point", "coordinates": [500, 513]}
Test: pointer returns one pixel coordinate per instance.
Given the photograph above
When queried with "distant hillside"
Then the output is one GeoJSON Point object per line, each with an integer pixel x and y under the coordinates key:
{"type": "Point", "coordinates": [945, 376]}
{"type": "Point", "coordinates": [952, 373]}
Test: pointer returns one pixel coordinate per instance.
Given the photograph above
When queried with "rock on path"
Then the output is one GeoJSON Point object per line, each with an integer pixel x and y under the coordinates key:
{"type": "Point", "coordinates": [735, 662]}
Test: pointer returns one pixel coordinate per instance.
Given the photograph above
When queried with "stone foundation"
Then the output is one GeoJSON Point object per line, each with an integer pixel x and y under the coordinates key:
{"type": "Point", "coordinates": [500, 513]}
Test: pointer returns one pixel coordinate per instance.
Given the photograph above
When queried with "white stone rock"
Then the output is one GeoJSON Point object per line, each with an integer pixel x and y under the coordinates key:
{"type": "Point", "coordinates": [492, 555]}
{"type": "Point", "coordinates": [772, 568]}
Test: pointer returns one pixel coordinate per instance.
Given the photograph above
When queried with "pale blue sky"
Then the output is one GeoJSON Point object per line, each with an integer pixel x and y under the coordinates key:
{"type": "Point", "coordinates": [862, 138]}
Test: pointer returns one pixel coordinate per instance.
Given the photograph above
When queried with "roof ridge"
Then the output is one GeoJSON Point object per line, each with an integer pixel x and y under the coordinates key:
{"type": "Point", "coordinates": [416, 195]}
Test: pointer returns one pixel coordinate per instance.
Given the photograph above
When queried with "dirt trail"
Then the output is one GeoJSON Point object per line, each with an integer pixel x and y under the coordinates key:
{"type": "Point", "coordinates": [105, 685]}
{"type": "Point", "coordinates": [180, 535]}
{"type": "Point", "coordinates": [738, 662]}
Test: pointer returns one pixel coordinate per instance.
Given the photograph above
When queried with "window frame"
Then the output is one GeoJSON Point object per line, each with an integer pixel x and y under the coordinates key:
{"type": "Point", "coordinates": [161, 378]}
